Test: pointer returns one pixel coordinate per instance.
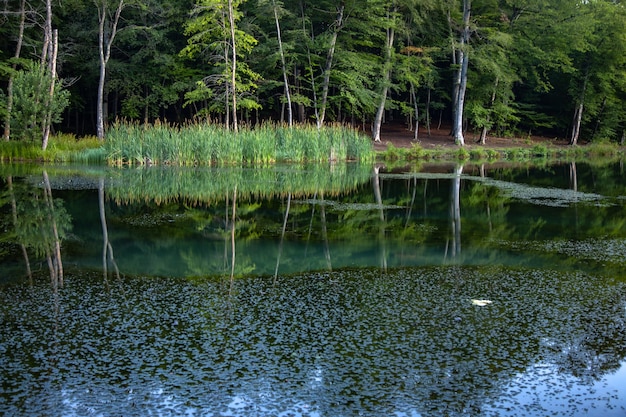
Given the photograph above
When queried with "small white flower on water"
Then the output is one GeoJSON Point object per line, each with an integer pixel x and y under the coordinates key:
{"type": "Point", "coordinates": [481, 303]}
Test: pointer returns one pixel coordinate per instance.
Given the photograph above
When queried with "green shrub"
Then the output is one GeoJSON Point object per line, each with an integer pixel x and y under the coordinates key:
{"type": "Point", "coordinates": [416, 151]}
{"type": "Point", "coordinates": [392, 153]}
{"type": "Point", "coordinates": [540, 150]}
{"type": "Point", "coordinates": [462, 154]}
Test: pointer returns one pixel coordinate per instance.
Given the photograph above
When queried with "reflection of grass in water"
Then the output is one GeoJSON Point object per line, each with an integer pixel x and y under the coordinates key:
{"type": "Point", "coordinates": [207, 185]}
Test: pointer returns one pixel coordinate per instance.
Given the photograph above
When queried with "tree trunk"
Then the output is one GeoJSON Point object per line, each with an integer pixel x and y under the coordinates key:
{"type": "Point", "coordinates": [18, 51]}
{"type": "Point", "coordinates": [107, 249]}
{"type": "Point", "coordinates": [378, 119]}
{"type": "Point", "coordinates": [457, 80]}
{"type": "Point", "coordinates": [233, 78]}
{"type": "Point", "coordinates": [228, 86]}
{"type": "Point", "coordinates": [417, 114]}
{"type": "Point", "coordinates": [325, 233]}
{"type": "Point", "coordinates": [46, 49]}
{"type": "Point", "coordinates": [104, 47]}
{"type": "Point", "coordinates": [573, 177]}
{"type": "Point", "coordinates": [462, 75]}
{"type": "Point", "coordinates": [47, 118]}
{"type": "Point", "coordinates": [329, 64]}
{"type": "Point", "coordinates": [578, 113]}
{"type": "Point", "coordinates": [427, 112]}
{"type": "Point", "coordinates": [284, 66]}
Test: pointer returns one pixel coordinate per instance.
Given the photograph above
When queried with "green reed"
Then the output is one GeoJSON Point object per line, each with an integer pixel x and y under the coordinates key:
{"type": "Point", "coordinates": [206, 144]}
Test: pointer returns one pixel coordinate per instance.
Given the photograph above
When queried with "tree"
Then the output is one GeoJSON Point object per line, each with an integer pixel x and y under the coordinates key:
{"type": "Point", "coordinates": [212, 29]}
{"type": "Point", "coordinates": [462, 53]}
{"type": "Point", "coordinates": [108, 21]}
{"type": "Point", "coordinates": [275, 9]}
{"type": "Point", "coordinates": [391, 17]}
{"type": "Point", "coordinates": [38, 101]}
{"type": "Point", "coordinates": [491, 81]}
{"type": "Point", "coordinates": [600, 68]}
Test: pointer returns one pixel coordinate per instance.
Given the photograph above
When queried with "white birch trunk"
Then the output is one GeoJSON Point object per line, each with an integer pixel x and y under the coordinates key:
{"type": "Point", "coordinates": [329, 64]}
{"type": "Point", "coordinates": [578, 113]}
{"type": "Point", "coordinates": [378, 119]}
{"type": "Point", "coordinates": [284, 66]}
{"type": "Point", "coordinates": [233, 79]}
{"type": "Point", "coordinates": [47, 118]}
{"type": "Point", "coordinates": [104, 48]}
{"type": "Point", "coordinates": [462, 75]}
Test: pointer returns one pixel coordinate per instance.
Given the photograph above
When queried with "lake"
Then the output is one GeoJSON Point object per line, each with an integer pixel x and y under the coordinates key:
{"type": "Point", "coordinates": [323, 290]}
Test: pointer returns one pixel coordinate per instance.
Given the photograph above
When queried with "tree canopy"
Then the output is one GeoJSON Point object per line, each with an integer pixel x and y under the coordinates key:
{"type": "Point", "coordinates": [510, 67]}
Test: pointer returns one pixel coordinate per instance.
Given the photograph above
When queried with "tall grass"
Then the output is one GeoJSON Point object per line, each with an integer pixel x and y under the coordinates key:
{"type": "Point", "coordinates": [61, 148]}
{"type": "Point", "coordinates": [206, 144]}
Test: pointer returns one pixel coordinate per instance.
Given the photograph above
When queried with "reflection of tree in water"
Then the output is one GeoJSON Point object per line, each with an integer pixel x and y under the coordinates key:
{"type": "Point", "coordinates": [41, 223]}
{"type": "Point", "coordinates": [596, 347]}
{"type": "Point", "coordinates": [11, 195]}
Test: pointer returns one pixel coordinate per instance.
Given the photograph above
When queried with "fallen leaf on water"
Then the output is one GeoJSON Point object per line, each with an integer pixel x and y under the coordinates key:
{"type": "Point", "coordinates": [481, 303]}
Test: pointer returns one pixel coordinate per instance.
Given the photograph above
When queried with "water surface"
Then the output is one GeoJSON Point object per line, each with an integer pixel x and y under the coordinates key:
{"type": "Point", "coordinates": [326, 291]}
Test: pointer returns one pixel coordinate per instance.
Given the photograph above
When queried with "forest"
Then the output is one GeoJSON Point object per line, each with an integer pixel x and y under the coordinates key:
{"type": "Point", "coordinates": [503, 67]}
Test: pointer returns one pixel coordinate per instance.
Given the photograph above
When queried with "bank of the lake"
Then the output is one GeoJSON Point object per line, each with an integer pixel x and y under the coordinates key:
{"type": "Point", "coordinates": [205, 144]}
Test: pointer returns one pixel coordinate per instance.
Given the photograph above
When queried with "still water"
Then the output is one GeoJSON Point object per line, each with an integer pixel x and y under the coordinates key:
{"type": "Point", "coordinates": [338, 290]}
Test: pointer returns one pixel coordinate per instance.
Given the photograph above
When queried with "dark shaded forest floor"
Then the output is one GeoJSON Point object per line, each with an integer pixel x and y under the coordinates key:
{"type": "Point", "coordinates": [401, 137]}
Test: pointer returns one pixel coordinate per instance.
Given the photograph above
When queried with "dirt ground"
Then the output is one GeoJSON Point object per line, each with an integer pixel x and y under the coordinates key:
{"type": "Point", "coordinates": [401, 137]}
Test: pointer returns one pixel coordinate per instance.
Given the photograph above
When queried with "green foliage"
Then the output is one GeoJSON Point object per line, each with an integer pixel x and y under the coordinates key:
{"type": "Point", "coordinates": [31, 102]}
{"type": "Point", "coordinates": [517, 154]}
{"type": "Point", "coordinates": [209, 31]}
{"type": "Point", "coordinates": [540, 150]}
{"type": "Point", "coordinates": [174, 60]}
{"type": "Point", "coordinates": [462, 154]}
{"type": "Point", "coordinates": [416, 151]}
{"type": "Point", "coordinates": [392, 153]}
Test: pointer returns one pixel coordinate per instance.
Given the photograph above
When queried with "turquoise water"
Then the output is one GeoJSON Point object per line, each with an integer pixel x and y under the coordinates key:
{"type": "Point", "coordinates": [324, 291]}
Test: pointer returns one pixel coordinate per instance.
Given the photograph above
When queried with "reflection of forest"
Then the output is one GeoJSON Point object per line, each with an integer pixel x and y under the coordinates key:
{"type": "Point", "coordinates": [178, 222]}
